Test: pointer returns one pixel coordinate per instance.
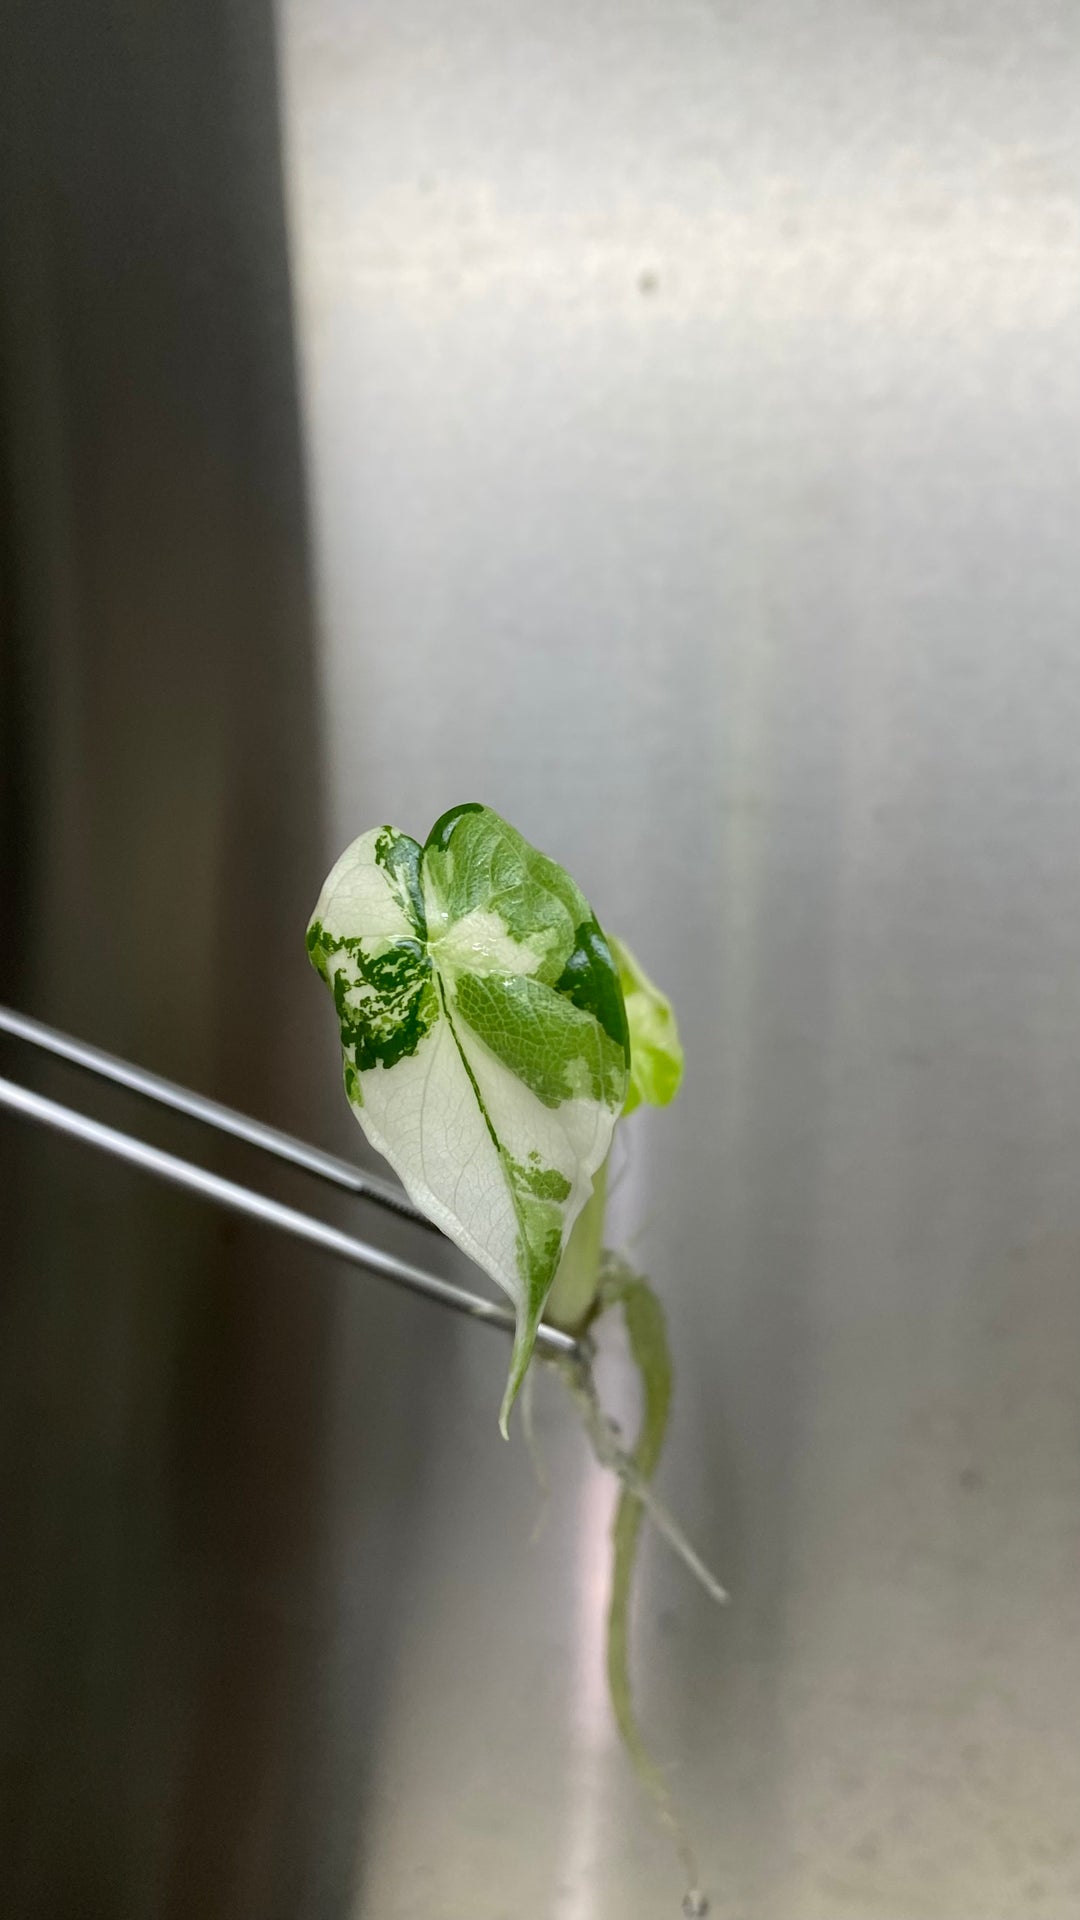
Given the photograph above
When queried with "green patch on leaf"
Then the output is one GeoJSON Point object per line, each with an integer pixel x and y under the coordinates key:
{"type": "Point", "coordinates": [385, 997]}
{"type": "Point", "coordinates": [542, 1182]}
{"type": "Point", "coordinates": [559, 1051]}
{"type": "Point", "coordinates": [480, 864]}
{"type": "Point", "coordinates": [400, 858]}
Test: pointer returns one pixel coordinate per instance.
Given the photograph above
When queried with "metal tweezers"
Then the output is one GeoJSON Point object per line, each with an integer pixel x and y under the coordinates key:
{"type": "Point", "coordinates": [230, 1193]}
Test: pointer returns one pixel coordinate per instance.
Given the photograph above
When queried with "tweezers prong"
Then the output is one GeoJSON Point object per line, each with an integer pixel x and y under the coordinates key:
{"type": "Point", "coordinates": [258, 1206]}
{"type": "Point", "coordinates": [167, 1093]}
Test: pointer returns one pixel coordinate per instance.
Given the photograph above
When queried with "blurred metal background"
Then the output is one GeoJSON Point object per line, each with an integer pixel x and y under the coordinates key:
{"type": "Point", "coordinates": [692, 420]}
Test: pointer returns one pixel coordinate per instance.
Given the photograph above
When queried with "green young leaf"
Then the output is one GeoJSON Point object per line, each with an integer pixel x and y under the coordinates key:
{"type": "Point", "coordinates": [485, 1042]}
{"type": "Point", "coordinates": [656, 1055]}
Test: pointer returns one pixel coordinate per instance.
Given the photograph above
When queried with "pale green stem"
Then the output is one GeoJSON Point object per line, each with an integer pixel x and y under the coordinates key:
{"type": "Point", "coordinates": [578, 1279]}
{"type": "Point", "coordinates": [649, 1347]}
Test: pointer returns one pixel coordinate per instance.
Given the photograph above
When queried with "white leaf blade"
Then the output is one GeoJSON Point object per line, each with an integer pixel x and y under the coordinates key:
{"type": "Point", "coordinates": [357, 894]}
{"type": "Point", "coordinates": [423, 1116]}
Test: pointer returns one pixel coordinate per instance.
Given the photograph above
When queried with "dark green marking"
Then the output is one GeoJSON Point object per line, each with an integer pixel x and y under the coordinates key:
{"type": "Point", "coordinates": [400, 859]}
{"type": "Point", "coordinates": [317, 949]}
{"type": "Point", "coordinates": [385, 1001]}
{"type": "Point", "coordinates": [591, 980]}
{"type": "Point", "coordinates": [445, 824]}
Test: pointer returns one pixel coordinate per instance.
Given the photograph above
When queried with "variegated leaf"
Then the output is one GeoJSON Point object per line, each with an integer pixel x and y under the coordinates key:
{"type": "Point", "coordinates": [485, 1042]}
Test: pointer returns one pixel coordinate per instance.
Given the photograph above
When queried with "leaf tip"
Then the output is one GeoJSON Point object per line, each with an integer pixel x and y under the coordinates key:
{"type": "Point", "coordinates": [516, 1376]}
{"type": "Point", "coordinates": [524, 1342]}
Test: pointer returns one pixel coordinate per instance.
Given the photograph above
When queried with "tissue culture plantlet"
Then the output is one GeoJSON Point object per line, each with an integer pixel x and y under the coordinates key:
{"type": "Point", "coordinates": [492, 1038]}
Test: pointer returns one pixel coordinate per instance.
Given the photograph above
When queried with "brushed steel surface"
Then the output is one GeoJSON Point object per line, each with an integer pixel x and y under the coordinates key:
{"type": "Point", "coordinates": [693, 413]}
{"type": "Point", "coordinates": [692, 407]}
